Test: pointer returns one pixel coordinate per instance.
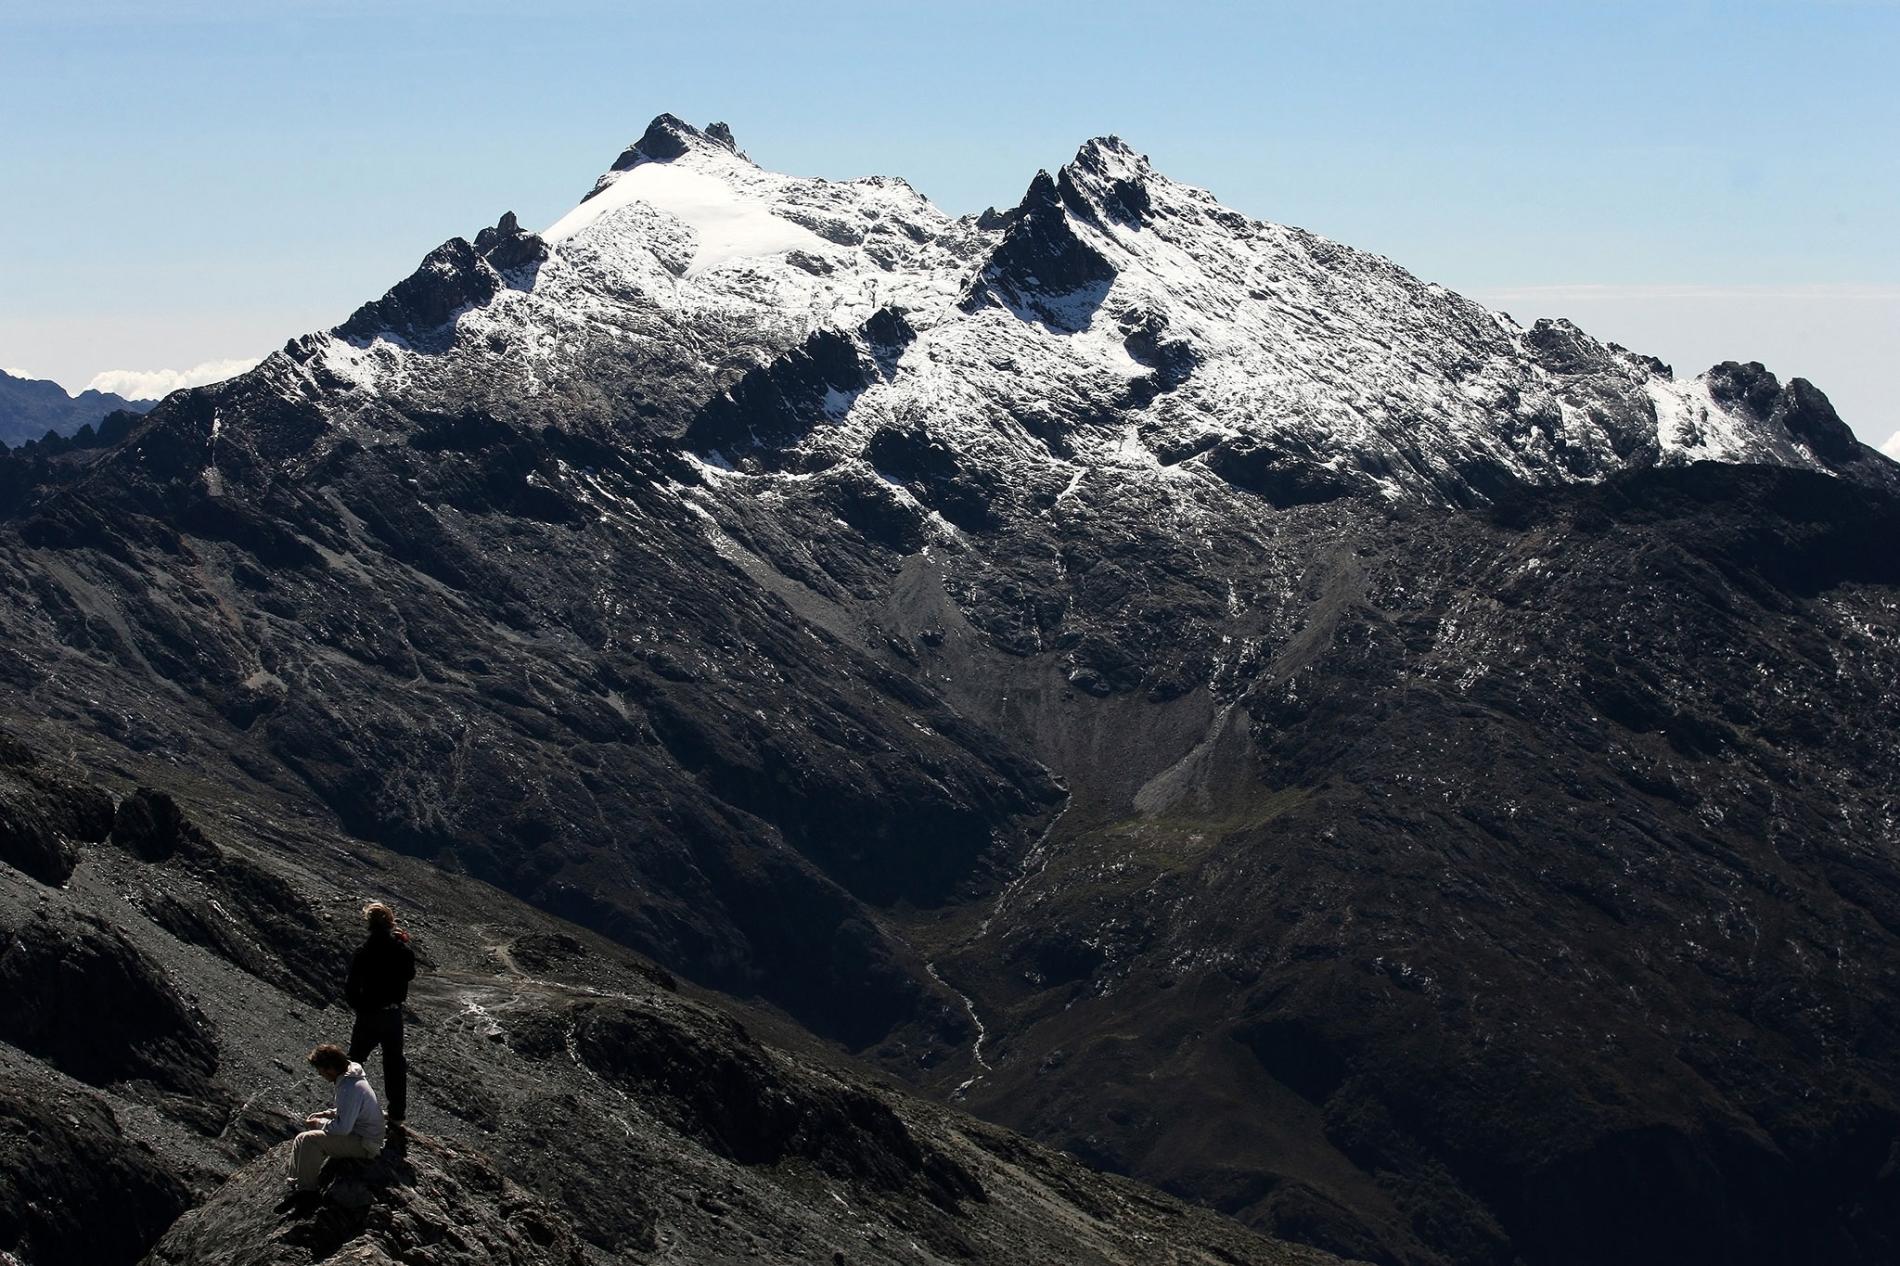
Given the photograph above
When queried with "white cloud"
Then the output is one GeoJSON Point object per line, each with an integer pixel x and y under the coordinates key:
{"type": "Point", "coordinates": [150, 384]}
{"type": "Point", "coordinates": [1892, 447]}
{"type": "Point", "coordinates": [17, 373]}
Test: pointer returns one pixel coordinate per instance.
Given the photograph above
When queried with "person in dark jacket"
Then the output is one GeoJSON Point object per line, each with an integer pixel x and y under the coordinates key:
{"type": "Point", "coordinates": [378, 984]}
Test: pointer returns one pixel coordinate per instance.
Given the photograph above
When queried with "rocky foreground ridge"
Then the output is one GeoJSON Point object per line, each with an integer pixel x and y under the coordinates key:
{"type": "Point", "coordinates": [1167, 683]}
{"type": "Point", "coordinates": [574, 1104]}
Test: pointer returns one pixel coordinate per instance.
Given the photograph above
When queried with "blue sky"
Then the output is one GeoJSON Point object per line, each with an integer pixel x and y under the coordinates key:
{"type": "Point", "coordinates": [201, 179]}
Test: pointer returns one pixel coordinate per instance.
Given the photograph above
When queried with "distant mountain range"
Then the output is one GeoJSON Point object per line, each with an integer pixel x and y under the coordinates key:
{"type": "Point", "coordinates": [30, 407]}
{"type": "Point", "coordinates": [1169, 684]}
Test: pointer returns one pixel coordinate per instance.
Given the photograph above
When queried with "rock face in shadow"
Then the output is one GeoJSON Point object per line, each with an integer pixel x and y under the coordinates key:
{"type": "Point", "coordinates": [75, 1190]}
{"type": "Point", "coordinates": [722, 1089]}
{"type": "Point", "coordinates": [1042, 269]}
{"type": "Point", "coordinates": [150, 825]}
{"type": "Point", "coordinates": [779, 403]}
{"type": "Point", "coordinates": [228, 904]}
{"type": "Point", "coordinates": [423, 1202]}
{"type": "Point", "coordinates": [45, 818]}
{"type": "Point", "coordinates": [84, 998]}
{"type": "Point", "coordinates": [1801, 407]}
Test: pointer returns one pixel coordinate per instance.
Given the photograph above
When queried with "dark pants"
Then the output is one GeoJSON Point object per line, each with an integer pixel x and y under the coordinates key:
{"type": "Point", "coordinates": [383, 1027]}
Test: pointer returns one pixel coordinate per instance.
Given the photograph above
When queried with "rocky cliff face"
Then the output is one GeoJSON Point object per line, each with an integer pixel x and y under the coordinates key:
{"type": "Point", "coordinates": [1177, 685]}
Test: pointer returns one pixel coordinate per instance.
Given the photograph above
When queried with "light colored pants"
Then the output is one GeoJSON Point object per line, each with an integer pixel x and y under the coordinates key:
{"type": "Point", "coordinates": [313, 1147]}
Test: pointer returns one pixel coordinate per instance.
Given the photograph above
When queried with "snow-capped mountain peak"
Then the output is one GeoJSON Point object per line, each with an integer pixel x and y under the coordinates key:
{"type": "Point", "coordinates": [1109, 170]}
{"type": "Point", "coordinates": [728, 214]}
{"type": "Point", "coordinates": [672, 162]}
{"type": "Point", "coordinates": [1113, 318]}
{"type": "Point", "coordinates": [669, 137]}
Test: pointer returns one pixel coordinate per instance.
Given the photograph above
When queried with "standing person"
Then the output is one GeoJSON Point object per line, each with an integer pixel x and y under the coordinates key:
{"type": "Point", "coordinates": [378, 983]}
{"type": "Point", "coordinates": [352, 1130]}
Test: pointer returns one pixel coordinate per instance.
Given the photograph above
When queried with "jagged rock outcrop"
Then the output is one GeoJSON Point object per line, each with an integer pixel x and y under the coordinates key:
{"type": "Point", "coordinates": [508, 246]}
{"type": "Point", "coordinates": [452, 279]}
{"type": "Point", "coordinates": [150, 825]}
{"type": "Point", "coordinates": [1042, 267]}
{"type": "Point", "coordinates": [423, 1202]}
{"type": "Point", "coordinates": [1800, 408]}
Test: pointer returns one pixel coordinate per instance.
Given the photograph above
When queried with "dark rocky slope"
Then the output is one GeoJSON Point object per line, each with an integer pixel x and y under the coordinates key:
{"type": "Point", "coordinates": [572, 1102]}
{"type": "Point", "coordinates": [1316, 800]}
{"type": "Point", "coordinates": [1543, 866]}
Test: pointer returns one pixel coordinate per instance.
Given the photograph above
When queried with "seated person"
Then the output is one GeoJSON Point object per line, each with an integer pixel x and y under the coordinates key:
{"type": "Point", "coordinates": [352, 1130]}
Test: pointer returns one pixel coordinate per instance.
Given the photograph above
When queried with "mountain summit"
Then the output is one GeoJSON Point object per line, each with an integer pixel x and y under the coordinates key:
{"type": "Point", "coordinates": [1114, 318]}
{"type": "Point", "coordinates": [1169, 683]}
{"type": "Point", "coordinates": [669, 137]}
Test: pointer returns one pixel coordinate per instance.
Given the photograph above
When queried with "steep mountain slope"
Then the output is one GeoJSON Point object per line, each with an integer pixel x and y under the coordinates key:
{"type": "Point", "coordinates": [30, 407]}
{"type": "Point", "coordinates": [572, 1104]}
{"type": "Point", "coordinates": [1540, 867]}
{"type": "Point", "coordinates": [1187, 688]}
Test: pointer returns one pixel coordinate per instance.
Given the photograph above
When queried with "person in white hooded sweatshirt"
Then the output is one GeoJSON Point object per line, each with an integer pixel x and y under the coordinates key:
{"type": "Point", "coordinates": [352, 1130]}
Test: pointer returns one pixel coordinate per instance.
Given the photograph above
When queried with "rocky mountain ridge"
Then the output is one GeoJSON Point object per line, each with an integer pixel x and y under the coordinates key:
{"type": "Point", "coordinates": [1114, 320]}
{"type": "Point", "coordinates": [1176, 685]}
{"type": "Point", "coordinates": [32, 408]}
